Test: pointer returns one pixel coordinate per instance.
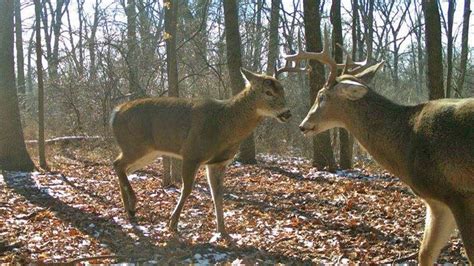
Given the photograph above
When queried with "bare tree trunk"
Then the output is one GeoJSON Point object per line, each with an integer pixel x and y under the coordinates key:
{"type": "Point", "coordinates": [345, 140]}
{"type": "Point", "coordinates": [449, 33]}
{"type": "Point", "coordinates": [20, 60]}
{"type": "Point", "coordinates": [132, 44]}
{"type": "Point", "coordinates": [29, 70]}
{"type": "Point", "coordinates": [323, 156]}
{"type": "Point", "coordinates": [173, 166]}
{"type": "Point", "coordinates": [416, 25]}
{"type": "Point", "coordinates": [13, 153]}
{"type": "Point", "coordinates": [91, 41]}
{"type": "Point", "coordinates": [256, 64]}
{"type": "Point", "coordinates": [234, 62]}
{"type": "Point", "coordinates": [345, 143]}
{"type": "Point", "coordinates": [464, 47]}
{"type": "Point", "coordinates": [434, 73]}
{"type": "Point", "coordinates": [39, 70]}
{"type": "Point", "coordinates": [370, 30]}
{"type": "Point", "coordinates": [357, 43]}
{"type": "Point", "coordinates": [273, 42]}
{"type": "Point", "coordinates": [80, 14]}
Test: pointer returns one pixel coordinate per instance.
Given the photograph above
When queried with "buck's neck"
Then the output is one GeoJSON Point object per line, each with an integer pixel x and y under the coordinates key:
{"type": "Point", "coordinates": [384, 129]}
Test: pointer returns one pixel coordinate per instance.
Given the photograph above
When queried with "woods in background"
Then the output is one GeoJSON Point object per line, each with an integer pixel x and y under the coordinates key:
{"type": "Point", "coordinates": [97, 54]}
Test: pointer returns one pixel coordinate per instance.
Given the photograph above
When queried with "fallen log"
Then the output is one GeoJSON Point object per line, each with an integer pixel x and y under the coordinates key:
{"type": "Point", "coordinates": [66, 140]}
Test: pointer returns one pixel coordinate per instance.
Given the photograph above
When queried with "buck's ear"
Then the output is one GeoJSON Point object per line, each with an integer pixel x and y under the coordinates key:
{"type": "Point", "coordinates": [248, 75]}
{"type": "Point", "coordinates": [351, 90]}
{"type": "Point", "coordinates": [367, 75]}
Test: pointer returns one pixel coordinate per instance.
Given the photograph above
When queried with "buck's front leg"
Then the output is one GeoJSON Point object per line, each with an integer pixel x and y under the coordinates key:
{"type": "Point", "coordinates": [439, 226]}
{"type": "Point", "coordinates": [189, 169]}
{"type": "Point", "coordinates": [215, 177]}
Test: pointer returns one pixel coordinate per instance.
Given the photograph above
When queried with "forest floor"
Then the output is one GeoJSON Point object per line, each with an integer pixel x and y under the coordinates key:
{"type": "Point", "coordinates": [279, 211]}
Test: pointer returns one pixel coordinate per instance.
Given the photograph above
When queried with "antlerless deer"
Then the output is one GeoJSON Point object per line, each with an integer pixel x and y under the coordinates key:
{"type": "Point", "coordinates": [198, 131]}
{"type": "Point", "coordinates": [430, 146]}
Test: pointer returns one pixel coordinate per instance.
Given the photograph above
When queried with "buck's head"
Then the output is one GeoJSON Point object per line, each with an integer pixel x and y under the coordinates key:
{"type": "Point", "coordinates": [270, 95]}
{"type": "Point", "coordinates": [329, 108]}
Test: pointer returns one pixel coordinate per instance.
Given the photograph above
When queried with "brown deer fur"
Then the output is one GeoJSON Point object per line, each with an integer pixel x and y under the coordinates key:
{"type": "Point", "coordinates": [198, 131]}
{"type": "Point", "coordinates": [430, 146]}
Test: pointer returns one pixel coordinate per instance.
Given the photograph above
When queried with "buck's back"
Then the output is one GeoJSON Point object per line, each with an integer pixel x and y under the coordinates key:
{"type": "Point", "coordinates": [445, 140]}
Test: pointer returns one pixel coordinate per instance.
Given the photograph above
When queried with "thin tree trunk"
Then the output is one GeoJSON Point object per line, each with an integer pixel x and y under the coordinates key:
{"type": "Point", "coordinates": [80, 14]}
{"type": "Point", "coordinates": [273, 42]}
{"type": "Point", "coordinates": [370, 31]}
{"type": "Point", "coordinates": [256, 64]}
{"type": "Point", "coordinates": [132, 44]}
{"type": "Point", "coordinates": [173, 166]}
{"type": "Point", "coordinates": [323, 156]}
{"type": "Point", "coordinates": [20, 65]}
{"type": "Point", "coordinates": [434, 73]}
{"type": "Point", "coordinates": [39, 70]}
{"type": "Point", "coordinates": [345, 140]}
{"type": "Point", "coordinates": [464, 46]}
{"type": "Point", "coordinates": [13, 153]}
{"type": "Point", "coordinates": [449, 53]}
{"type": "Point", "coordinates": [234, 62]}
{"type": "Point", "coordinates": [91, 42]}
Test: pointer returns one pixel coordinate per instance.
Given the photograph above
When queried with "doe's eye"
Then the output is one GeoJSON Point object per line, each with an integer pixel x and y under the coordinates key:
{"type": "Point", "coordinates": [268, 82]}
{"type": "Point", "coordinates": [269, 93]}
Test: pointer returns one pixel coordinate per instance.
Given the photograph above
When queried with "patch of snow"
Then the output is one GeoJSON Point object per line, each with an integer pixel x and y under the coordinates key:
{"type": "Point", "coordinates": [144, 230]}
{"type": "Point", "coordinates": [172, 189]}
{"type": "Point", "coordinates": [135, 176]}
{"type": "Point", "coordinates": [229, 213]}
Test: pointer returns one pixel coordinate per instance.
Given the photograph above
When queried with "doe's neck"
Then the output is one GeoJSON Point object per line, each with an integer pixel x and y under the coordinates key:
{"type": "Point", "coordinates": [242, 115]}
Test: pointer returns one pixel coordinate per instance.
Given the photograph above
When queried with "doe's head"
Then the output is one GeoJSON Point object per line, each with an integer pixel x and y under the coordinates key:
{"type": "Point", "coordinates": [270, 95]}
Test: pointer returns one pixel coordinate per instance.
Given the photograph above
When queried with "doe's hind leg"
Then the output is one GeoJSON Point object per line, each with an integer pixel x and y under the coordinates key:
{"type": "Point", "coordinates": [123, 165]}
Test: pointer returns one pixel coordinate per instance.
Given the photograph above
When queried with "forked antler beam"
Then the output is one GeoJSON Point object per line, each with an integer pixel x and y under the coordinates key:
{"type": "Point", "coordinates": [324, 57]}
{"type": "Point", "coordinates": [352, 67]}
{"type": "Point", "coordinates": [290, 68]}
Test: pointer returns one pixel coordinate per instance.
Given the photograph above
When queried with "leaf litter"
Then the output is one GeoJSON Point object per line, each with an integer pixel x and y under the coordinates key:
{"type": "Point", "coordinates": [281, 210]}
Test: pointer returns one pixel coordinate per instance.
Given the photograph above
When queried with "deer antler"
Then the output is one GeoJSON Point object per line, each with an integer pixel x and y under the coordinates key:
{"type": "Point", "coordinates": [290, 68]}
{"type": "Point", "coordinates": [323, 57]}
{"type": "Point", "coordinates": [352, 67]}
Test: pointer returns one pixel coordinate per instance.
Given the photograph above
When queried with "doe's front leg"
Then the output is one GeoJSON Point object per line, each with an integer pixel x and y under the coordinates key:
{"type": "Point", "coordinates": [215, 177]}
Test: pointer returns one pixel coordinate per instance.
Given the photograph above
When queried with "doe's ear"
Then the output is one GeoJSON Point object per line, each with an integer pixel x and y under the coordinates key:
{"type": "Point", "coordinates": [367, 75]}
{"type": "Point", "coordinates": [351, 90]}
{"type": "Point", "coordinates": [247, 74]}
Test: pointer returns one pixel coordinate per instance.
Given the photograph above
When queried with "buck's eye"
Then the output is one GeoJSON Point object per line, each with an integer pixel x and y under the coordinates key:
{"type": "Point", "coordinates": [269, 93]}
{"type": "Point", "coordinates": [268, 82]}
{"type": "Point", "coordinates": [322, 97]}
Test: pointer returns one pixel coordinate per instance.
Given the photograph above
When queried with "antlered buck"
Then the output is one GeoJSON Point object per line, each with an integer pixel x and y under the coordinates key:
{"type": "Point", "coordinates": [198, 131]}
{"type": "Point", "coordinates": [430, 146]}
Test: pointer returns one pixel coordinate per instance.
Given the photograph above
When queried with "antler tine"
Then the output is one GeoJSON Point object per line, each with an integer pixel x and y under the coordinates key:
{"type": "Point", "coordinates": [289, 67]}
{"type": "Point", "coordinates": [323, 57]}
{"type": "Point", "coordinates": [350, 66]}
